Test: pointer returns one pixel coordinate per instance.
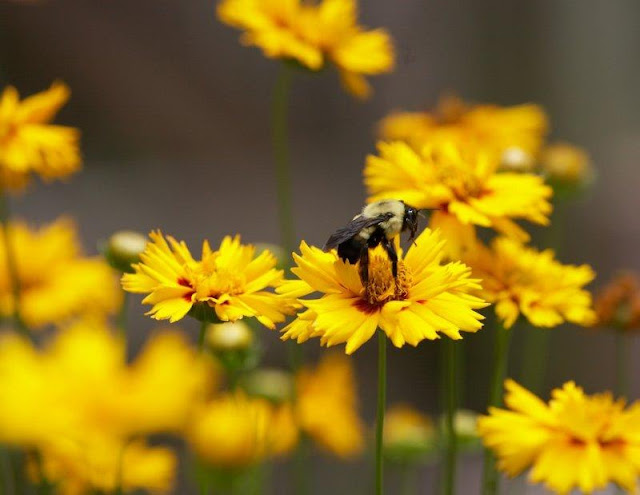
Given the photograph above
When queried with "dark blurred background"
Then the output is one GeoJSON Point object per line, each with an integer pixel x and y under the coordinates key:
{"type": "Point", "coordinates": [175, 120]}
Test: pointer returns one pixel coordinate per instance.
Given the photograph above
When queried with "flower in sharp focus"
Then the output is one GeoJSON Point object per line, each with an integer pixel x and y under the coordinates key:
{"type": "Point", "coordinates": [574, 441]}
{"type": "Point", "coordinates": [236, 431]}
{"type": "Point", "coordinates": [56, 282]}
{"type": "Point", "coordinates": [521, 280]}
{"type": "Point", "coordinates": [464, 185]}
{"type": "Point", "coordinates": [426, 298]}
{"type": "Point", "coordinates": [618, 303]}
{"type": "Point", "coordinates": [314, 34]}
{"type": "Point", "coordinates": [29, 143]}
{"type": "Point", "coordinates": [503, 131]}
{"type": "Point", "coordinates": [229, 281]}
{"type": "Point", "coordinates": [327, 406]}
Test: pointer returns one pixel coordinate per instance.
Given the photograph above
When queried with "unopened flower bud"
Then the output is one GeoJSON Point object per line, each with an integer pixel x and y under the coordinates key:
{"type": "Point", "coordinates": [408, 434]}
{"type": "Point", "coordinates": [618, 303]}
{"type": "Point", "coordinates": [464, 425]}
{"type": "Point", "coordinates": [124, 248]}
{"type": "Point", "coordinates": [516, 159]}
{"type": "Point", "coordinates": [567, 168]}
{"type": "Point", "coordinates": [229, 336]}
{"type": "Point", "coordinates": [272, 384]}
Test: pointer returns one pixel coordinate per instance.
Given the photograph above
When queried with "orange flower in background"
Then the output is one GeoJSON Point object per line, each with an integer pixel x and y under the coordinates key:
{"type": "Point", "coordinates": [29, 143]}
{"type": "Point", "coordinates": [313, 34]}
{"type": "Point", "coordinates": [618, 303]}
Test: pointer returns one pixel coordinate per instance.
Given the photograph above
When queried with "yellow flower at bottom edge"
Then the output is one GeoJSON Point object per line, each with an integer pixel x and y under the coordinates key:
{"type": "Point", "coordinates": [56, 281]}
{"type": "Point", "coordinates": [314, 34]}
{"type": "Point", "coordinates": [236, 431]}
{"type": "Point", "coordinates": [230, 281]}
{"type": "Point", "coordinates": [97, 463]}
{"type": "Point", "coordinates": [29, 143]}
{"type": "Point", "coordinates": [575, 441]}
{"type": "Point", "coordinates": [426, 298]}
{"type": "Point", "coordinates": [521, 280]}
{"type": "Point", "coordinates": [326, 406]}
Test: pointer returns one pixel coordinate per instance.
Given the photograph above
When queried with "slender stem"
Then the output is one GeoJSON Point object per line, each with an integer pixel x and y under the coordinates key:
{"type": "Point", "coordinates": [302, 479]}
{"type": "Point", "coordinates": [408, 478]}
{"type": "Point", "coordinates": [280, 136]}
{"type": "Point", "coordinates": [622, 364]}
{"type": "Point", "coordinates": [8, 483]}
{"type": "Point", "coordinates": [382, 399]}
{"type": "Point", "coordinates": [501, 354]}
{"type": "Point", "coordinates": [12, 268]}
{"type": "Point", "coordinates": [534, 361]}
{"type": "Point", "coordinates": [201, 335]}
{"type": "Point", "coordinates": [451, 398]}
{"type": "Point", "coordinates": [122, 316]}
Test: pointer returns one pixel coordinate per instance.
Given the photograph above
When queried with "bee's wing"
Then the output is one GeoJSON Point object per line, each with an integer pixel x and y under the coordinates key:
{"type": "Point", "coordinates": [352, 229]}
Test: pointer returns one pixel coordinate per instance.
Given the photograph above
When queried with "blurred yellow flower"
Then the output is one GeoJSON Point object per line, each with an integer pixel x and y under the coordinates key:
{"type": "Point", "coordinates": [426, 298]}
{"type": "Point", "coordinates": [327, 406]}
{"type": "Point", "coordinates": [313, 34]}
{"type": "Point", "coordinates": [492, 128]}
{"type": "Point", "coordinates": [29, 144]}
{"type": "Point", "coordinates": [464, 185]}
{"type": "Point", "coordinates": [101, 464]}
{"type": "Point", "coordinates": [566, 165]}
{"type": "Point", "coordinates": [230, 281]}
{"type": "Point", "coordinates": [521, 280]}
{"type": "Point", "coordinates": [575, 441]}
{"type": "Point", "coordinates": [84, 384]}
{"type": "Point", "coordinates": [236, 431]}
{"type": "Point", "coordinates": [56, 281]}
{"type": "Point", "coordinates": [408, 433]}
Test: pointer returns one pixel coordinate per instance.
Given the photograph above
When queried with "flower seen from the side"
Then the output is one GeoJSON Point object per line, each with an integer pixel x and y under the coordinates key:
{"type": "Point", "coordinates": [427, 297]}
{"type": "Point", "coordinates": [327, 406]}
{"type": "Point", "coordinates": [409, 435]}
{"type": "Point", "coordinates": [313, 34]}
{"type": "Point", "coordinates": [29, 143]}
{"type": "Point", "coordinates": [520, 280]}
{"type": "Point", "coordinates": [228, 283]}
{"type": "Point", "coordinates": [56, 282]}
{"type": "Point", "coordinates": [576, 441]}
{"type": "Point", "coordinates": [463, 185]}
{"type": "Point", "coordinates": [236, 431]}
{"type": "Point", "coordinates": [506, 132]}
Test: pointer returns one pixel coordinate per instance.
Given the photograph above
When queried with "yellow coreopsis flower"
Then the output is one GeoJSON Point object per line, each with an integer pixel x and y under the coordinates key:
{"type": "Point", "coordinates": [326, 405]}
{"type": "Point", "coordinates": [56, 282]}
{"type": "Point", "coordinates": [521, 280]}
{"type": "Point", "coordinates": [29, 143]}
{"type": "Point", "coordinates": [236, 431]}
{"type": "Point", "coordinates": [313, 34]}
{"type": "Point", "coordinates": [230, 281]}
{"type": "Point", "coordinates": [503, 131]}
{"type": "Point", "coordinates": [426, 298]}
{"type": "Point", "coordinates": [575, 441]}
{"type": "Point", "coordinates": [464, 185]}
{"type": "Point", "coordinates": [101, 464]}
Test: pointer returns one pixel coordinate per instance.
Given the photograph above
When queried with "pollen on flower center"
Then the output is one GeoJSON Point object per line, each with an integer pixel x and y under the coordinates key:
{"type": "Point", "coordinates": [382, 287]}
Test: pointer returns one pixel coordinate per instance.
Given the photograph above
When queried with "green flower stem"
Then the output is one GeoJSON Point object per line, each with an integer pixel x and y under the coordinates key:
{"type": "Point", "coordinates": [201, 335]}
{"type": "Point", "coordinates": [7, 482]}
{"type": "Point", "coordinates": [501, 354]}
{"type": "Point", "coordinates": [12, 269]}
{"type": "Point", "coordinates": [382, 399]}
{"type": "Point", "coordinates": [450, 369]}
{"type": "Point", "coordinates": [622, 364]}
{"type": "Point", "coordinates": [534, 361]}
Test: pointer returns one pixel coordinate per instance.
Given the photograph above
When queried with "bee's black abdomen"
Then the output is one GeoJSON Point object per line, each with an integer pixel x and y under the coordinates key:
{"type": "Point", "coordinates": [350, 250]}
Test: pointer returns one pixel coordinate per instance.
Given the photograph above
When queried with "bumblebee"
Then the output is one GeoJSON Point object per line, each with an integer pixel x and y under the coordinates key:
{"type": "Point", "coordinates": [377, 224]}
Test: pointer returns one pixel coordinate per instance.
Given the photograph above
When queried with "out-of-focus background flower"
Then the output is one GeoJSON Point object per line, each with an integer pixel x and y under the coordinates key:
{"type": "Point", "coordinates": [174, 114]}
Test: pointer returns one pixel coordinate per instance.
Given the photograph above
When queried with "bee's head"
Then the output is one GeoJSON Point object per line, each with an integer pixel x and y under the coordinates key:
{"type": "Point", "coordinates": [410, 221]}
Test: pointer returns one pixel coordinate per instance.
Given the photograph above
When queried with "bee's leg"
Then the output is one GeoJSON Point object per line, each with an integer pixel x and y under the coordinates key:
{"type": "Point", "coordinates": [390, 248]}
{"type": "Point", "coordinates": [364, 266]}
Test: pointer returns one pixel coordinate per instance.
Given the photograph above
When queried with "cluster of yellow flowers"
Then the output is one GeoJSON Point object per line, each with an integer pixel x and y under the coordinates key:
{"type": "Point", "coordinates": [477, 169]}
